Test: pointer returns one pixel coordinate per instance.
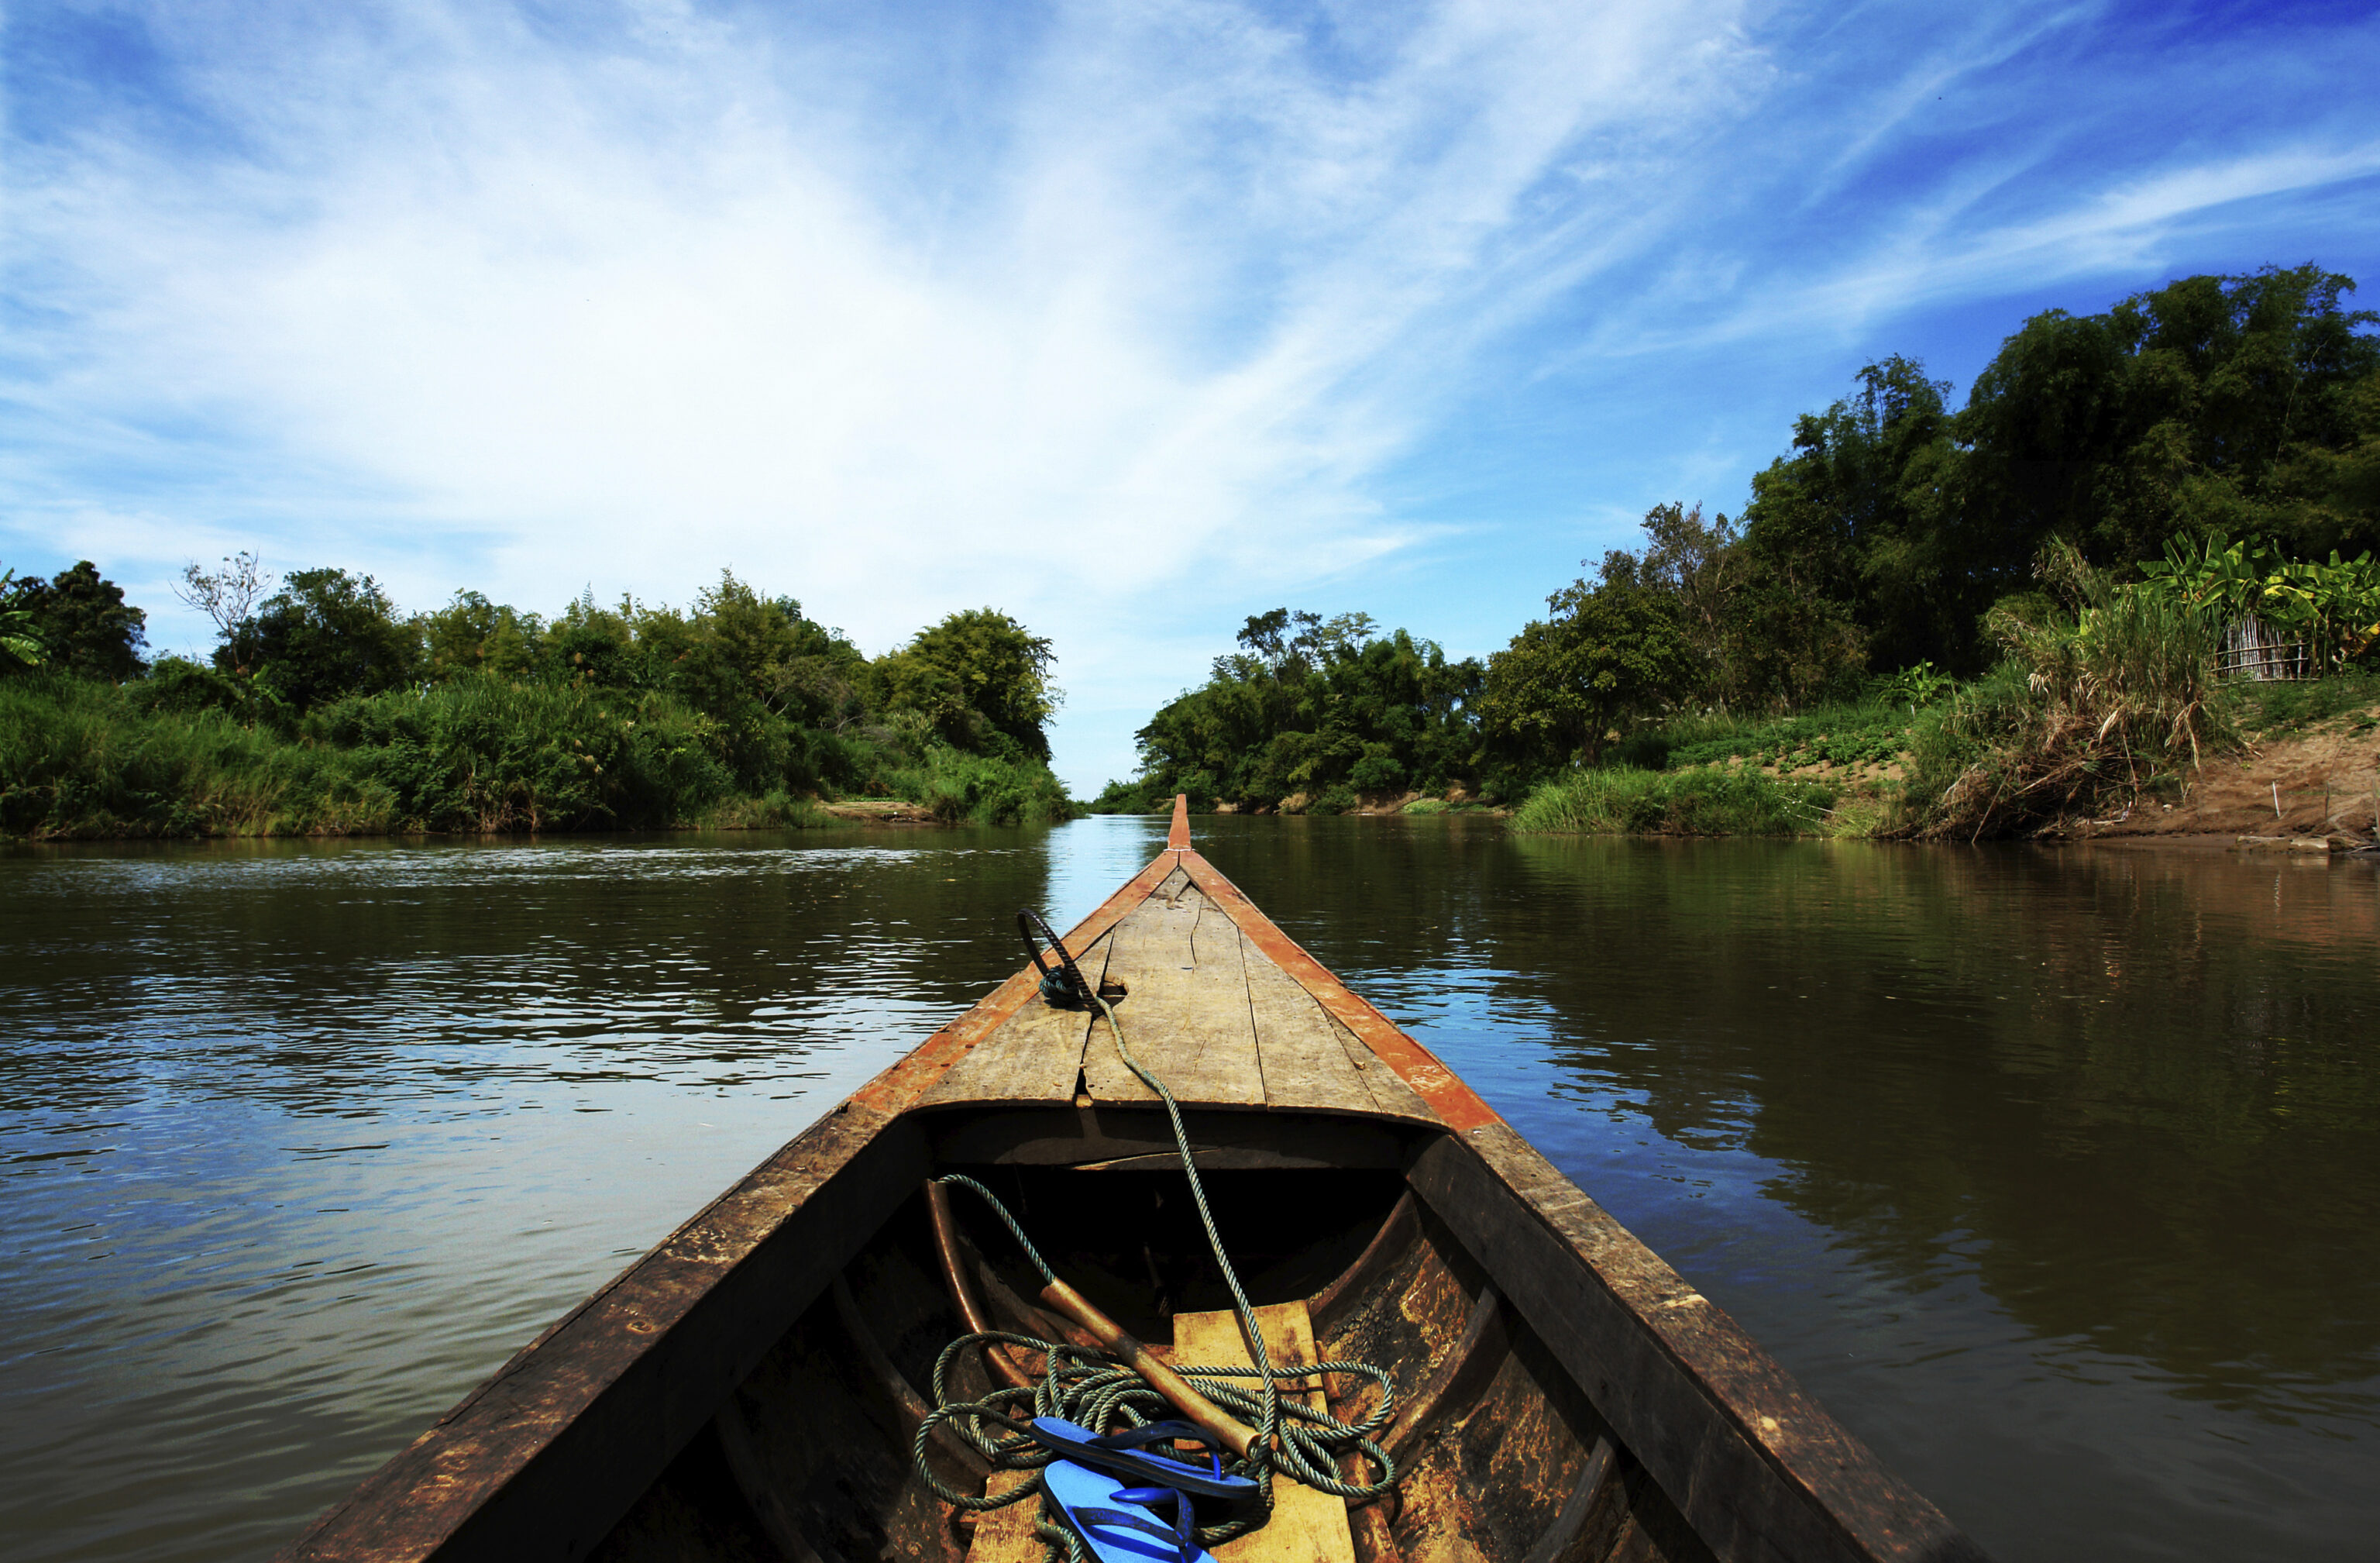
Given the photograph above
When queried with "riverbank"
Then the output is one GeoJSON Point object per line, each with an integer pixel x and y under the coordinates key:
{"type": "Point", "coordinates": [83, 759]}
{"type": "Point", "coordinates": [2297, 761]}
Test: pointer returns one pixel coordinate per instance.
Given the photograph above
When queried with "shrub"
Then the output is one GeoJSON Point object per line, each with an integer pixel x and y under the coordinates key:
{"type": "Point", "coordinates": [2088, 712]}
{"type": "Point", "coordinates": [1707, 803]}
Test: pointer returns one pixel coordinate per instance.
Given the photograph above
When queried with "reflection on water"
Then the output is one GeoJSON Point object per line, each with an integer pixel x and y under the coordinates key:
{"type": "Point", "coordinates": [2053, 1174]}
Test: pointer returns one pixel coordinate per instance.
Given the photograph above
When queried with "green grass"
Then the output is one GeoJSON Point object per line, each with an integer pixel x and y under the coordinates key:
{"type": "Point", "coordinates": [982, 789]}
{"type": "Point", "coordinates": [2266, 708]}
{"type": "Point", "coordinates": [2087, 713]}
{"type": "Point", "coordinates": [1693, 802]}
{"type": "Point", "coordinates": [1861, 733]}
{"type": "Point", "coordinates": [477, 755]}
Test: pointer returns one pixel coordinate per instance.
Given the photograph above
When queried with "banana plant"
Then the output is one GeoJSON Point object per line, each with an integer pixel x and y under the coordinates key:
{"type": "Point", "coordinates": [2333, 606]}
{"type": "Point", "coordinates": [19, 644]}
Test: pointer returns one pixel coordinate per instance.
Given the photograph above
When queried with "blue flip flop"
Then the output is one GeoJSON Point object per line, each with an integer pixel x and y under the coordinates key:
{"type": "Point", "coordinates": [1114, 1521]}
{"type": "Point", "coordinates": [1129, 1455]}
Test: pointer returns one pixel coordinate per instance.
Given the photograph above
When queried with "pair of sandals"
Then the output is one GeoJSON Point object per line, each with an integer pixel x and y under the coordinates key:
{"type": "Point", "coordinates": [1106, 1486]}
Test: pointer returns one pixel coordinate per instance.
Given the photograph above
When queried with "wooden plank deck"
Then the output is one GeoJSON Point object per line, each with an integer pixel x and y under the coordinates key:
{"type": "Point", "coordinates": [1185, 1013]}
{"type": "Point", "coordinates": [1033, 1055]}
{"type": "Point", "coordinates": [1206, 1009]}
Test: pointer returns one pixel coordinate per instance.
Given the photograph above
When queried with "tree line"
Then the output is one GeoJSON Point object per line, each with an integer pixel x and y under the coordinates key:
{"type": "Point", "coordinates": [477, 714]}
{"type": "Point", "coordinates": [1887, 541]}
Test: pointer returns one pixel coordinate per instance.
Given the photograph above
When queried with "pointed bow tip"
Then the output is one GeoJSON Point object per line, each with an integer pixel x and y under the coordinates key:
{"type": "Point", "coordinates": [1180, 834]}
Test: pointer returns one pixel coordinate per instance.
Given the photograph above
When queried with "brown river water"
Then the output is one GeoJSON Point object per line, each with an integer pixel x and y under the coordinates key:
{"type": "Point", "coordinates": [2055, 1174]}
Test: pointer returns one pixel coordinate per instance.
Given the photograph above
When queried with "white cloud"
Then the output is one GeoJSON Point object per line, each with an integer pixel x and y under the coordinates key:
{"type": "Point", "coordinates": [1112, 317]}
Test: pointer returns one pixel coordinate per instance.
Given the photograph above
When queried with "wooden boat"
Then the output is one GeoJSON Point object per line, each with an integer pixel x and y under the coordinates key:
{"type": "Point", "coordinates": [750, 1389]}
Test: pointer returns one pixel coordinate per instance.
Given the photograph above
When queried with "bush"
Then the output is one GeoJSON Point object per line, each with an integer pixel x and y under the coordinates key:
{"type": "Point", "coordinates": [956, 786]}
{"type": "Point", "coordinates": [81, 758]}
{"type": "Point", "coordinates": [483, 754]}
{"type": "Point", "coordinates": [2087, 712]}
{"type": "Point", "coordinates": [1332, 801]}
{"type": "Point", "coordinates": [1712, 802]}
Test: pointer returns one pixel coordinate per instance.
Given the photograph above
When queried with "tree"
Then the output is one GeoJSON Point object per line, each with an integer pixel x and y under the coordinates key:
{"type": "Point", "coordinates": [471, 634]}
{"type": "Point", "coordinates": [2203, 404]}
{"type": "Point", "coordinates": [323, 635]}
{"type": "Point", "coordinates": [83, 623]}
{"type": "Point", "coordinates": [1856, 518]}
{"type": "Point", "coordinates": [977, 669]}
{"type": "Point", "coordinates": [225, 595]}
{"type": "Point", "coordinates": [1326, 708]}
{"type": "Point", "coordinates": [1607, 653]}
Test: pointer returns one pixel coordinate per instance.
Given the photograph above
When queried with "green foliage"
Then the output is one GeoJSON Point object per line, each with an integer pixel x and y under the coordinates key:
{"type": "Point", "coordinates": [326, 710]}
{"type": "Point", "coordinates": [958, 788]}
{"type": "Point", "coordinates": [1851, 547]}
{"type": "Point", "coordinates": [974, 674]}
{"type": "Point", "coordinates": [1854, 733]}
{"type": "Point", "coordinates": [474, 635]}
{"type": "Point", "coordinates": [324, 634]}
{"type": "Point", "coordinates": [20, 642]}
{"type": "Point", "coordinates": [1608, 653]}
{"type": "Point", "coordinates": [80, 758]}
{"type": "Point", "coordinates": [2091, 710]}
{"type": "Point", "coordinates": [1700, 803]}
{"type": "Point", "coordinates": [481, 753]}
{"type": "Point", "coordinates": [1327, 709]}
{"type": "Point", "coordinates": [2334, 608]}
{"type": "Point", "coordinates": [77, 620]}
{"type": "Point", "coordinates": [2261, 707]}
{"type": "Point", "coordinates": [1920, 684]}
{"type": "Point", "coordinates": [2230, 403]}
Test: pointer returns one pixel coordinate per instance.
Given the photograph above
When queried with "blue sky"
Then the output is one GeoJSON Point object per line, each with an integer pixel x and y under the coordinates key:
{"type": "Point", "coordinates": [1130, 319]}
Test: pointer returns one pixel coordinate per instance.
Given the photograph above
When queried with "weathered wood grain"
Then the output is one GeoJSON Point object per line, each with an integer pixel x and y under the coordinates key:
{"type": "Point", "coordinates": [1397, 1233]}
{"type": "Point", "coordinates": [1306, 1065]}
{"type": "Point", "coordinates": [1307, 1526]}
{"type": "Point", "coordinates": [1006, 1536]}
{"type": "Point", "coordinates": [1447, 1098]}
{"type": "Point", "coordinates": [1186, 1017]}
{"type": "Point", "coordinates": [915, 1072]}
{"type": "Point", "coordinates": [1033, 1057]}
{"type": "Point", "coordinates": [1758, 1468]}
{"type": "Point", "coordinates": [750, 1470]}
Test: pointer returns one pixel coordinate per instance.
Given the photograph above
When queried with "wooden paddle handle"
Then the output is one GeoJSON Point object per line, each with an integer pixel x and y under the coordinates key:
{"type": "Point", "coordinates": [1196, 1408]}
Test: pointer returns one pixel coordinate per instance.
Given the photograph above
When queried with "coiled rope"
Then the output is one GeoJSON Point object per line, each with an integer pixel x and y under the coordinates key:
{"type": "Point", "coordinates": [1095, 1389]}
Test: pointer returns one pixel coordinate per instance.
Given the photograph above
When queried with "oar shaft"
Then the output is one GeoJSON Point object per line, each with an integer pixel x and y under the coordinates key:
{"type": "Point", "coordinates": [1196, 1408]}
{"type": "Point", "coordinates": [954, 1274]}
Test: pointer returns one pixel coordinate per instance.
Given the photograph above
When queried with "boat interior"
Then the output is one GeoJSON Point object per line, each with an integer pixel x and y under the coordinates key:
{"type": "Point", "coordinates": [1500, 1453]}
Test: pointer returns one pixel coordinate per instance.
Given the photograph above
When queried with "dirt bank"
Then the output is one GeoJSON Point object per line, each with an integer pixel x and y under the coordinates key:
{"type": "Point", "coordinates": [878, 810]}
{"type": "Point", "coordinates": [2320, 780]}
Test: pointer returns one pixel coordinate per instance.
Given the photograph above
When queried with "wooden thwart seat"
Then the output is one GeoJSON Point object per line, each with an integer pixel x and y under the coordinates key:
{"type": "Point", "coordinates": [1006, 1536]}
{"type": "Point", "coordinates": [1307, 1526]}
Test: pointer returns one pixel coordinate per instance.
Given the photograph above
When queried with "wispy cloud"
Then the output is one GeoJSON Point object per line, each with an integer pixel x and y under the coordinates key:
{"type": "Point", "coordinates": [1120, 316]}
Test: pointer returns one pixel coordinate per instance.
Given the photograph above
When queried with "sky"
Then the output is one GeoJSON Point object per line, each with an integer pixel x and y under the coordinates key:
{"type": "Point", "coordinates": [1128, 318]}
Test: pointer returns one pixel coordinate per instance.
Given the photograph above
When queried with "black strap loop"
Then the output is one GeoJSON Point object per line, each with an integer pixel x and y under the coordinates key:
{"type": "Point", "coordinates": [1063, 988]}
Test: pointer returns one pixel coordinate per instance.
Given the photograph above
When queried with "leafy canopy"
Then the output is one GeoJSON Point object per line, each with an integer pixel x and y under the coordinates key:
{"type": "Point", "coordinates": [80, 622]}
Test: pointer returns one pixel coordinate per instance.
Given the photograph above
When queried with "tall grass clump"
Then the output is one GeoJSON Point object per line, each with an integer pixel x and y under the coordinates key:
{"type": "Point", "coordinates": [484, 754]}
{"type": "Point", "coordinates": [958, 788]}
{"type": "Point", "coordinates": [2091, 710]}
{"type": "Point", "coordinates": [1704, 802]}
{"type": "Point", "coordinates": [78, 758]}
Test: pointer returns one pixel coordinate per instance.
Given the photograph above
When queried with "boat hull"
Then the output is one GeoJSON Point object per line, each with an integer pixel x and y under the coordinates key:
{"type": "Point", "coordinates": [751, 1388]}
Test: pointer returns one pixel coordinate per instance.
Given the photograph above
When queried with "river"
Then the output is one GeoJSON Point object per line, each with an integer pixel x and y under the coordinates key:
{"type": "Point", "coordinates": [2054, 1174]}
